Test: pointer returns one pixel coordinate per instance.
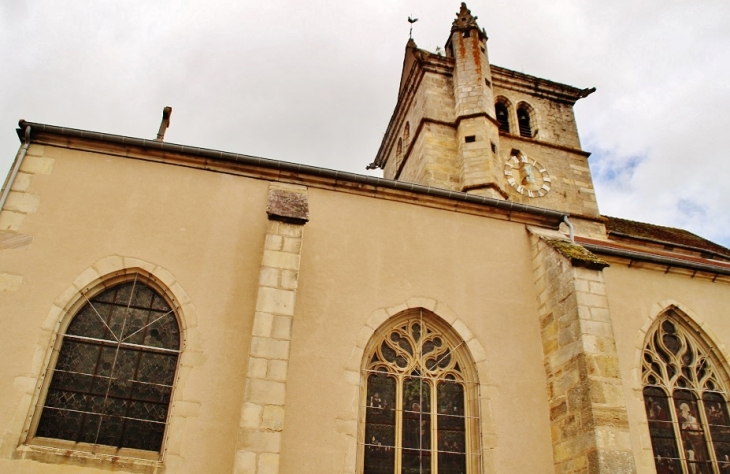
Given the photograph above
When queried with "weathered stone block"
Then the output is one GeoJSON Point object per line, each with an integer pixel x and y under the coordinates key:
{"type": "Point", "coordinates": [289, 279]}
{"type": "Point", "coordinates": [268, 463]}
{"type": "Point", "coordinates": [272, 300]}
{"type": "Point", "coordinates": [257, 368]}
{"type": "Point", "coordinates": [262, 324]}
{"type": "Point", "coordinates": [278, 259]}
{"type": "Point", "coordinates": [260, 441]}
{"type": "Point", "coordinates": [277, 370]}
{"type": "Point", "coordinates": [22, 202]}
{"type": "Point", "coordinates": [273, 242]}
{"type": "Point", "coordinates": [282, 327]}
{"type": "Point", "coordinates": [251, 415]}
{"type": "Point", "coordinates": [265, 392]}
{"type": "Point", "coordinates": [273, 418]}
{"type": "Point", "coordinates": [288, 205]}
{"type": "Point", "coordinates": [268, 348]}
{"type": "Point", "coordinates": [10, 282]}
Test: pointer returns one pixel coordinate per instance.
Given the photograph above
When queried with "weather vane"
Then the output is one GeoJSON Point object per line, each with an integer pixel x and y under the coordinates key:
{"type": "Point", "coordinates": [411, 21]}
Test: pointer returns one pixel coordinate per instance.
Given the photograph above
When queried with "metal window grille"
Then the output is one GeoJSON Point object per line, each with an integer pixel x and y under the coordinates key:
{"type": "Point", "coordinates": [686, 402]}
{"type": "Point", "coordinates": [420, 415]}
{"type": "Point", "coordinates": [112, 381]}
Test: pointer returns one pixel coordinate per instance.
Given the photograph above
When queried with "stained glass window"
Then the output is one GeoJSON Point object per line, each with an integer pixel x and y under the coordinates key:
{"type": "Point", "coordinates": [112, 381]}
{"type": "Point", "coordinates": [419, 400]}
{"type": "Point", "coordinates": [686, 401]}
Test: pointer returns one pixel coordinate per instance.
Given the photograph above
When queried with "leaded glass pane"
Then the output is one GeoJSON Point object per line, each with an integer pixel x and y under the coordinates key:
{"type": "Point", "coordinates": [451, 429]}
{"type": "Point", "coordinates": [107, 391]}
{"type": "Point", "coordinates": [693, 436]}
{"type": "Point", "coordinates": [416, 370]}
{"type": "Point", "coordinates": [416, 426]}
{"type": "Point", "coordinates": [380, 425]}
{"type": "Point", "coordinates": [661, 429]}
{"type": "Point", "coordinates": [719, 424]}
{"type": "Point", "coordinates": [163, 331]}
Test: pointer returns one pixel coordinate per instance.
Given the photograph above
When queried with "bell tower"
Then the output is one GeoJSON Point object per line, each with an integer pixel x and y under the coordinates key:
{"type": "Point", "coordinates": [463, 124]}
{"type": "Point", "coordinates": [477, 130]}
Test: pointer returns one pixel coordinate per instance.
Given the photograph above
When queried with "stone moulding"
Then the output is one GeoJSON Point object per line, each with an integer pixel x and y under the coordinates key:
{"type": "Point", "coordinates": [352, 376]}
{"type": "Point", "coordinates": [100, 274]}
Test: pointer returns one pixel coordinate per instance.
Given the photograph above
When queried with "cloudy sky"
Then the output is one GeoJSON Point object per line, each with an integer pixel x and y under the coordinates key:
{"type": "Point", "coordinates": [316, 81]}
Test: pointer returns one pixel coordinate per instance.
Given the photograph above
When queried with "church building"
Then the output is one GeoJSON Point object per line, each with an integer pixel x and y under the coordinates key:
{"type": "Point", "coordinates": [172, 309]}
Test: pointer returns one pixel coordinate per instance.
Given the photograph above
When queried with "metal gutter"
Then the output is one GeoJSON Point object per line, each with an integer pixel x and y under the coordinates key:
{"type": "Point", "coordinates": [661, 260]}
{"type": "Point", "coordinates": [508, 206]}
{"type": "Point", "coordinates": [16, 167]}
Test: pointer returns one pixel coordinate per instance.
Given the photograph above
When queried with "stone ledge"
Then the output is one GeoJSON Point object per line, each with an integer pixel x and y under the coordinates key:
{"type": "Point", "coordinates": [289, 206]}
{"type": "Point", "coordinates": [578, 255]}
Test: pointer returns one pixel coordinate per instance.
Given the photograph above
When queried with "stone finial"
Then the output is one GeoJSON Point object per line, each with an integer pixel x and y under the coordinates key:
{"type": "Point", "coordinates": [464, 19]}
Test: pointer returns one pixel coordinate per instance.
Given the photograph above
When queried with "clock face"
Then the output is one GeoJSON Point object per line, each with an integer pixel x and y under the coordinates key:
{"type": "Point", "coordinates": [527, 176]}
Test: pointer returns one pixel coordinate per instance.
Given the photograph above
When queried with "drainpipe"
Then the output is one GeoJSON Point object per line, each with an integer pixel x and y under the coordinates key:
{"type": "Point", "coordinates": [18, 162]}
{"type": "Point", "coordinates": [570, 228]}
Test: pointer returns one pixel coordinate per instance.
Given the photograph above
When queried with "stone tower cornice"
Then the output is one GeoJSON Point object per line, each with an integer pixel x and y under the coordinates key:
{"type": "Point", "coordinates": [507, 79]}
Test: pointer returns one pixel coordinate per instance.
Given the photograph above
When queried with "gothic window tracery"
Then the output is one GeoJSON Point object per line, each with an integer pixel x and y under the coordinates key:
{"type": "Point", "coordinates": [112, 380]}
{"type": "Point", "coordinates": [686, 396]}
{"type": "Point", "coordinates": [419, 401]}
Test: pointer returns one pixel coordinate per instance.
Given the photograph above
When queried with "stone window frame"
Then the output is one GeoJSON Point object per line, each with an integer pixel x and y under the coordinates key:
{"type": "Point", "coordinates": [104, 273]}
{"type": "Point", "coordinates": [454, 339]}
{"type": "Point", "coordinates": [705, 340]}
{"type": "Point", "coordinates": [532, 115]}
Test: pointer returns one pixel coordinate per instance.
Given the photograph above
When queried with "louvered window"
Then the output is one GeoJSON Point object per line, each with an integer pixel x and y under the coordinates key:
{"type": "Point", "coordinates": [502, 116]}
{"type": "Point", "coordinates": [523, 121]}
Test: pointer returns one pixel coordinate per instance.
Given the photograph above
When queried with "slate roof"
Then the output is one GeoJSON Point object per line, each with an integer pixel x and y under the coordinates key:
{"type": "Point", "coordinates": [666, 235]}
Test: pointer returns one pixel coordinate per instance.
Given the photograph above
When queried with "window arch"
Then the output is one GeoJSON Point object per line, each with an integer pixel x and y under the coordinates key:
{"type": "Point", "coordinates": [407, 133]}
{"type": "Point", "coordinates": [419, 399]}
{"type": "Point", "coordinates": [501, 109]}
{"type": "Point", "coordinates": [524, 120]}
{"type": "Point", "coordinates": [686, 400]}
{"type": "Point", "coordinates": [110, 382]}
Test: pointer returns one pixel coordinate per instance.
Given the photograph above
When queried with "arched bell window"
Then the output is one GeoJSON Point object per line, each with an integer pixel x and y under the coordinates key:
{"type": "Point", "coordinates": [112, 380]}
{"type": "Point", "coordinates": [524, 121]}
{"type": "Point", "coordinates": [502, 112]}
{"type": "Point", "coordinates": [420, 399]}
{"type": "Point", "coordinates": [686, 400]}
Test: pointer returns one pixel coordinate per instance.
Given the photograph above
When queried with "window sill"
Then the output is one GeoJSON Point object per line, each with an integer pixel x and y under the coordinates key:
{"type": "Point", "coordinates": [54, 451]}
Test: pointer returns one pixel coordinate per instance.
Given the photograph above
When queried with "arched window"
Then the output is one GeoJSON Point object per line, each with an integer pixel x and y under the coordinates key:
{"type": "Point", "coordinates": [523, 121]}
{"type": "Point", "coordinates": [407, 133]}
{"type": "Point", "coordinates": [420, 399]}
{"type": "Point", "coordinates": [113, 375]}
{"type": "Point", "coordinates": [502, 112]}
{"type": "Point", "coordinates": [686, 396]}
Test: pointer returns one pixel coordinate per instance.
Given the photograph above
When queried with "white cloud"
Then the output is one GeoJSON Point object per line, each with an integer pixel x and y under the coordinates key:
{"type": "Point", "coordinates": [315, 82]}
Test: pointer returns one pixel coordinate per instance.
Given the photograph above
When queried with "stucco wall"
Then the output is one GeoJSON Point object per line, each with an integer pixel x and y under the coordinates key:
{"type": "Point", "coordinates": [203, 233]}
{"type": "Point", "coordinates": [636, 297]}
